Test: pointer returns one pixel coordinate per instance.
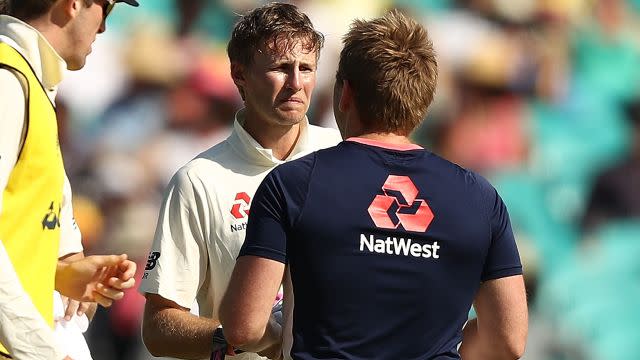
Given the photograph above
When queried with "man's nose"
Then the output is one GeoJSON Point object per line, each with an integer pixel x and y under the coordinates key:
{"type": "Point", "coordinates": [294, 82]}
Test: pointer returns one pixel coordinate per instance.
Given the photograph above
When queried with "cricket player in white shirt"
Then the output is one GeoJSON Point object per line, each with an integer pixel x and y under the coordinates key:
{"type": "Point", "coordinates": [273, 52]}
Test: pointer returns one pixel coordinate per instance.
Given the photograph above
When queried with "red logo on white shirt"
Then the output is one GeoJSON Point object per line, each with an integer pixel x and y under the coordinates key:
{"type": "Point", "coordinates": [240, 208]}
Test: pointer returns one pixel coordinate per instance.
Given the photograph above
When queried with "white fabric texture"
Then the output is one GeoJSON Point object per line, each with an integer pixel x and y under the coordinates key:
{"type": "Point", "coordinates": [204, 214]}
{"type": "Point", "coordinates": [69, 334]}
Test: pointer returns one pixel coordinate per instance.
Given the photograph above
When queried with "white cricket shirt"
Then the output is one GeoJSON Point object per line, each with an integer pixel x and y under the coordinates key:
{"type": "Point", "coordinates": [203, 217]}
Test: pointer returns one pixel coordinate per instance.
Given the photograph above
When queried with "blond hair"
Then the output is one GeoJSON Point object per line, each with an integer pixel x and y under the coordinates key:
{"type": "Point", "coordinates": [391, 65]}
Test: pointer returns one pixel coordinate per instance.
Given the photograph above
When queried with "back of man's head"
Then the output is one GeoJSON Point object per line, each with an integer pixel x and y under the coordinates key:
{"type": "Point", "coordinates": [276, 27]}
{"type": "Point", "coordinates": [27, 9]}
{"type": "Point", "coordinates": [391, 66]}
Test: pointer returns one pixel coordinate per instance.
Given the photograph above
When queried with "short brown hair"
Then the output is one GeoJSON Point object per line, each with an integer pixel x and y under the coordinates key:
{"type": "Point", "coordinates": [273, 23]}
{"type": "Point", "coordinates": [26, 10]}
{"type": "Point", "coordinates": [391, 65]}
{"type": "Point", "coordinates": [4, 7]}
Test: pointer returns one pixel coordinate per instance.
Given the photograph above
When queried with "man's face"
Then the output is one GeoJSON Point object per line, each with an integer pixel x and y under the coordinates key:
{"type": "Point", "coordinates": [89, 22]}
{"type": "Point", "coordinates": [278, 84]}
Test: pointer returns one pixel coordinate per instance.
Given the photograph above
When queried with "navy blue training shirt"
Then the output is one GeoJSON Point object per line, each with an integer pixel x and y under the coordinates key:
{"type": "Point", "coordinates": [386, 247]}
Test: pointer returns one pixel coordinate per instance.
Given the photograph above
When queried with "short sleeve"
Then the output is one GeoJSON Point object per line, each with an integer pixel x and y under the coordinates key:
{"type": "Point", "coordinates": [502, 258]}
{"type": "Point", "coordinates": [177, 264]}
{"type": "Point", "coordinates": [70, 236]}
{"type": "Point", "coordinates": [275, 208]}
{"type": "Point", "coordinates": [266, 229]}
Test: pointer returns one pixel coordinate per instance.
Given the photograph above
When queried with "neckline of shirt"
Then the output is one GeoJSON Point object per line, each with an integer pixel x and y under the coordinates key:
{"type": "Point", "coordinates": [385, 145]}
{"type": "Point", "coordinates": [245, 143]}
{"type": "Point", "coordinates": [49, 67]}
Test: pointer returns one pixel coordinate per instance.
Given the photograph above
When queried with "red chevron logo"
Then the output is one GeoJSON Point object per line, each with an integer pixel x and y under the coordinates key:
{"type": "Point", "coordinates": [400, 200]}
{"type": "Point", "coordinates": [240, 208]}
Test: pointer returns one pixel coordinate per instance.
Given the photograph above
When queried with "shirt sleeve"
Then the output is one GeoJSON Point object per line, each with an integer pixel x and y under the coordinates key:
{"type": "Point", "coordinates": [275, 208]}
{"type": "Point", "coordinates": [177, 264]}
{"type": "Point", "coordinates": [22, 329]}
{"type": "Point", "coordinates": [266, 229]}
{"type": "Point", "coordinates": [70, 236]}
{"type": "Point", "coordinates": [502, 258]}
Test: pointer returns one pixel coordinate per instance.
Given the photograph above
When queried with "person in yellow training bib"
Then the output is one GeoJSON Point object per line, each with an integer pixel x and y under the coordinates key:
{"type": "Point", "coordinates": [40, 246]}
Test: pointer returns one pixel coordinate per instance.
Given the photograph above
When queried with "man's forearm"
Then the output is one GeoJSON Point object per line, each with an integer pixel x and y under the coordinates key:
{"type": "Point", "coordinates": [469, 347]}
{"type": "Point", "coordinates": [272, 335]}
{"type": "Point", "coordinates": [477, 346]}
{"type": "Point", "coordinates": [22, 329]}
{"type": "Point", "coordinates": [177, 333]}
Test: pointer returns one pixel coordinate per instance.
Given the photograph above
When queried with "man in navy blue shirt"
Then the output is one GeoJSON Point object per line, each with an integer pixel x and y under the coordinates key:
{"type": "Point", "coordinates": [385, 245]}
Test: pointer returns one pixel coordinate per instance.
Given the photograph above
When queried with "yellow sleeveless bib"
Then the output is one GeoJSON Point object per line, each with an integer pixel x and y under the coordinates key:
{"type": "Point", "coordinates": [32, 199]}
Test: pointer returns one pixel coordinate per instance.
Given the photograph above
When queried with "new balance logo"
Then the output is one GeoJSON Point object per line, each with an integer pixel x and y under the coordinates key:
{"type": "Point", "coordinates": [152, 260]}
{"type": "Point", "coordinates": [399, 206]}
{"type": "Point", "coordinates": [240, 208]}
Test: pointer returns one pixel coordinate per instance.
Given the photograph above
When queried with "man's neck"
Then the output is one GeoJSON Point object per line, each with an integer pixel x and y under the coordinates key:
{"type": "Point", "coordinates": [48, 30]}
{"type": "Point", "coordinates": [281, 140]}
{"type": "Point", "coordinates": [389, 138]}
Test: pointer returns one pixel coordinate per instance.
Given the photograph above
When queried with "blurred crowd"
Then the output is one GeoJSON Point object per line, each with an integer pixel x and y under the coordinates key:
{"type": "Point", "coordinates": [540, 96]}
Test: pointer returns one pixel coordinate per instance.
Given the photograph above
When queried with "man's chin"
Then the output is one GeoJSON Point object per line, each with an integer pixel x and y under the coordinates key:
{"type": "Point", "coordinates": [75, 66]}
{"type": "Point", "coordinates": [290, 117]}
{"type": "Point", "coordinates": [76, 62]}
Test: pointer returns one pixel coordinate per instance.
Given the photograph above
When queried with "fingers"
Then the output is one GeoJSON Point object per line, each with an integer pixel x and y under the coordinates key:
{"type": "Point", "coordinates": [109, 292]}
{"type": "Point", "coordinates": [72, 308]}
{"type": "Point", "coordinates": [102, 300]}
{"type": "Point", "coordinates": [127, 269]}
{"type": "Point", "coordinates": [83, 308]}
{"type": "Point", "coordinates": [106, 260]}
{"type": "Point", "coordinates": [65, 301]}
{"type": "Point", "coordinates": [121, 284]}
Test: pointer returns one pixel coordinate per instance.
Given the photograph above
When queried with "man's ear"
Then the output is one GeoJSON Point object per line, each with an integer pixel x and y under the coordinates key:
{"type": "Point", "coordinates": [237, 74]}
{"type": "Point", "coordinates": [63, 10]}
{"type": "Point", "coordinates": [346, 96]}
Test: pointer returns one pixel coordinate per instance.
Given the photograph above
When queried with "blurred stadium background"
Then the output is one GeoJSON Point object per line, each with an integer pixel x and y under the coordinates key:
{"type": "Point", "coordinates": [540, 96]}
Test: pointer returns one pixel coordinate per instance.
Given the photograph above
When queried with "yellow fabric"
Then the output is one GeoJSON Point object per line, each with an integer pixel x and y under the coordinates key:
{"type": "Point", "coordinates": [32, 199]}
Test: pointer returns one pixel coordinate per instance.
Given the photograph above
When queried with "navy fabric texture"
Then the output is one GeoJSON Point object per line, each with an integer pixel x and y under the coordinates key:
{"type": "Point", "coordinates": [386, 249]}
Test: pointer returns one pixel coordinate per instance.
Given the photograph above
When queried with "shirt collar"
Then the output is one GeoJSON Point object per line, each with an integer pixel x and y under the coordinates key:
{"type": "Point", "coordinates": [385, 145]}
{"type": "Point", "coordinates": [49, 67]}
{"type": "Point", "coordinates": [244, 143]}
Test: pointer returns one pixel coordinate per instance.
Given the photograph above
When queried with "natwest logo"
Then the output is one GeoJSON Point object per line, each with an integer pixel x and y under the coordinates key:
{"type": "Point", "coordinates": [399, 206]}
{"type": "Point", "coordinates": [240, 208]}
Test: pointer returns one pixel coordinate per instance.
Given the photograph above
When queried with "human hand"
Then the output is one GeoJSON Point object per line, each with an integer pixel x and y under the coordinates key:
{"type": "Point", "coordinates": [74, 307]}
{"type": "Point", "coordinates": [273, 352]}
{"type": "Point", "coordinates": [97, 278]}
{"type": "Point", "coordinates": [276, 312]}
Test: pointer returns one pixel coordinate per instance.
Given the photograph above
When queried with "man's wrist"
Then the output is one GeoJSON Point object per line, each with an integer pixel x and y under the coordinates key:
{"type": "Point", "coordinates": [61, 270]}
